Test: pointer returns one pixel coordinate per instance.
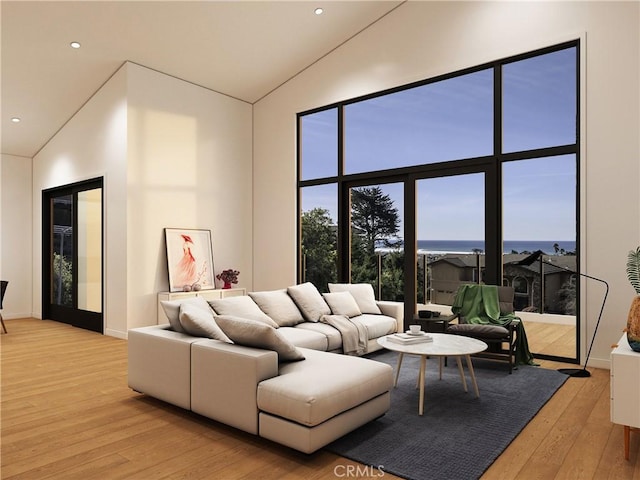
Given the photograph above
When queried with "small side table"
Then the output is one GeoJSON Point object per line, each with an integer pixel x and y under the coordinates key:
{"type": "Point", "coordinates": [432, 324]}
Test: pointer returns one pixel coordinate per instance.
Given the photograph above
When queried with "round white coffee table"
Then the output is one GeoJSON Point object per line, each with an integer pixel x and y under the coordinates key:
{"type": "Point", "coordinates": [443, 345]}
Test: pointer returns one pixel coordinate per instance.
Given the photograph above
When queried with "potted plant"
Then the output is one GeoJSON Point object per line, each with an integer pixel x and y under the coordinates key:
{"type": "Point", "coordinates": [633, 321]}
{"type": "Point", "coordinates": [228, 276]}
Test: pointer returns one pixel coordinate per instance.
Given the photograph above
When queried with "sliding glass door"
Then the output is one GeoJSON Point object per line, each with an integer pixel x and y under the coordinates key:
{"type": "Point", "coordinates": [450, 233]}
{"type": "Point", "coordinates": [72, 255]}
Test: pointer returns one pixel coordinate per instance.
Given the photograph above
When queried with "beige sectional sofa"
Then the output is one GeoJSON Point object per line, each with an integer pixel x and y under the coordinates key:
{"type": "Point", "coordinates": [272, 363]}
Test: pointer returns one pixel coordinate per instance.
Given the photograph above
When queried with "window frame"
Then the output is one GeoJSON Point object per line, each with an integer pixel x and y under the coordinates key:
{"type": "Point", "coordinates": [490, 165]}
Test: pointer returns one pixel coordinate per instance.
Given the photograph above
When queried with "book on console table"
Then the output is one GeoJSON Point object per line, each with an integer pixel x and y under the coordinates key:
{"type": "Point", "coordinates": [409, 339]}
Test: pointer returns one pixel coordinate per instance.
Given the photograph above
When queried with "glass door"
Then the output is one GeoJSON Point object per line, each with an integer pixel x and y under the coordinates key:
{"type": "Point", "coordinates": [539, 215]}
{"type": "Point", "coordinates": [72, 255]}
{"type": "Point", "coordinates": [377, 243]}
{"type": "Point", "coordinates": [450, 236]}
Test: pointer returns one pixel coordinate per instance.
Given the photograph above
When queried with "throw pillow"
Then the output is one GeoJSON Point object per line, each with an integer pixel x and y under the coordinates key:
{"type": "Point", "coordinates": [278, 305]}
{"type": "Point", "coordinates": [342, 303]}
{"type": "Point", "coordinates": [253, 333]}
{"type": "Point", "coordinates": [242, 307]}
{"type": "Point", "coordinates": [172, 310]}
{"type": "Point", "coordinates": [309, 301]}
{"type": "Point", "coordinates": [362, 293]}
{"type": "Point", "coordinates": [199, 323]}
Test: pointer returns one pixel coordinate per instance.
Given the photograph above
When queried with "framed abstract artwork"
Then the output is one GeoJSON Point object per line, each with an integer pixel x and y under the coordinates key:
{"type": "Point", "coordinates": [189, 259]}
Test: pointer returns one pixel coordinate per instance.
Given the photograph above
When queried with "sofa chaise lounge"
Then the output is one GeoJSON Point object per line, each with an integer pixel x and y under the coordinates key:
{"type": "Point", "coordinates": [272, 363]}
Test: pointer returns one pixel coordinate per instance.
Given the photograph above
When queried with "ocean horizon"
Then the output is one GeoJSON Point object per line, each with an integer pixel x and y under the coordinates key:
{"type": "Point", "coordinates": [508, 246]}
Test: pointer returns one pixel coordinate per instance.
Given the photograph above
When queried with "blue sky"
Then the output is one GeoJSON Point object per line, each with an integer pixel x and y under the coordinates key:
{"type": "Point", "coordinates": [453, 119]}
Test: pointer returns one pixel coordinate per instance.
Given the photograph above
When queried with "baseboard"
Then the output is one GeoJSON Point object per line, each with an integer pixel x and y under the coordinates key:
{"type": "Point", "coordinates": [115, 333]}
{"type": "Point", "coordinates": [14, 316]}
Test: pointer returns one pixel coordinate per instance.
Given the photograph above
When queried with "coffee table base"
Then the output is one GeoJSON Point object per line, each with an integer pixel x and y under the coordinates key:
{"type": "Point", "coordinates": [423, 369]}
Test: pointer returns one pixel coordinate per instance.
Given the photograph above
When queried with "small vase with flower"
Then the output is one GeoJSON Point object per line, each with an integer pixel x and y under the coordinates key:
{"type": "Point", "coordinates": [228, 277]}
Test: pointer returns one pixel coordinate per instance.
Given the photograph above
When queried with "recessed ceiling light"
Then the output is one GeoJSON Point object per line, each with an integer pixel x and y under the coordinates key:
{"type": "Point", "coordinates": [15, 120]}
{"type": "Point", "coordinates": [75, 44]}
{"type": "Point", "coordinates": [318, 11]}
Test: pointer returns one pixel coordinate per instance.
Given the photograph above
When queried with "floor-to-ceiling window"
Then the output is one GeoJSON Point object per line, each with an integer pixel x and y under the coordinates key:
{"type": "Point", "coordinates": [451, 180]}
{"type": "Point", "coordinates": [318, 199]}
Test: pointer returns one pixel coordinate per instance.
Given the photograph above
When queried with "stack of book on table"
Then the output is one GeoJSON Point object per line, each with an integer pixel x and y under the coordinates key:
{"type": "Point", "coordinates": [410, 338]}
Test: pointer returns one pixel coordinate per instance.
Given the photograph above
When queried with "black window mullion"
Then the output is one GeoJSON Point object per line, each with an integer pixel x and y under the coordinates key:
{"type": "Point", "coordinates": [410, 244]}
{"type": "Point", "coordinates": [299, 256]}
{"type": "Point", "coordinates": [344, 221]}
{"type": "Point", "coordinates": [578, 205]}
{"type": "Point", "coordinates": [74, 265]}
{"type": "Point", "coordinates": [493, 191]}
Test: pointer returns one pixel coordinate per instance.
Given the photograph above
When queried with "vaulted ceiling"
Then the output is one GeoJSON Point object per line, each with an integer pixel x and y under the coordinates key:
{"type": "Point", "coordinates": [244, 49]}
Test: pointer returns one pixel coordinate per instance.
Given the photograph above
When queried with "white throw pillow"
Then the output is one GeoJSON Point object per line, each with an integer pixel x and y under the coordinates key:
{"type": "Point", "coordinates": [278, 305]}
{"type": "Point", "coordinates": [309, 301]}
{"type": "Point", "coordinates": [172, 310]}
{"type": "Point", "coordinates": [362, 293]}
{"type": "Point", "coordinates": [241, 306]}
{"type": "Point", "coordinates": [199, 323]}
{"type": "Point", "coordinates": [342, 303]}
{"type": "Point", "coordinates": [252, 333]}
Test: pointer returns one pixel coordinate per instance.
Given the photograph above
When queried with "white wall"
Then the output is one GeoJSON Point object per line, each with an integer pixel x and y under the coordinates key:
{"type": "Point", "coordinates": [16, 235]}
{"type": "Point", "coordinates": [173, 155]}
{"type": "Point", "coordinates": [92, 144]}
{"type": "Point", "coordinates": [189, 166]}
{"type": "Point", "coordinates": [422, 39]}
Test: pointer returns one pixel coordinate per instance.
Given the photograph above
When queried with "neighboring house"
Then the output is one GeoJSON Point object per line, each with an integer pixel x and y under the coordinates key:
{"type": "Point", "coordinates": [558, 285]}
{"type": "Point", "coordinates": [449, 271]}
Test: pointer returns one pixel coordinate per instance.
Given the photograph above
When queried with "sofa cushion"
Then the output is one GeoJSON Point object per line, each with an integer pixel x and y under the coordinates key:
{"type": "Point", "coordinates": [301, 337]}
{"type": "Point", "coordinates": [309, 301]}
{"type": "Point", "coordinates": [241, 306]}
{"type": "Point", "coordinates": [200, 323]}
{"type": "Point", "coordinates": [326, 385]}
{"type": "Point", "coordinates": [333, 336]}
{"type": "Point", "coordinates": [342, 303]}
{"type": "Point", "coordinates": [172, 310]}
{"type": "Point", "coordinates": [253, 333]}
{"type": "Point", "coordinates": [362, 293]}
{"type": "Point", "coordinates": [377, 325]}
{"type": "Point", "coordinates": [278, 305]}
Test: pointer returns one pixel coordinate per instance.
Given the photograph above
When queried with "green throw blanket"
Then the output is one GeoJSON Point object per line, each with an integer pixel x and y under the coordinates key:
{"type": "Point", "coordinates": [479, 304]}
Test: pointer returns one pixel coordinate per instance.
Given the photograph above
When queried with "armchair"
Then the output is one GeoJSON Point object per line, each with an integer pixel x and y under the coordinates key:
{"type": "Point", "coordinates": [485, 312]}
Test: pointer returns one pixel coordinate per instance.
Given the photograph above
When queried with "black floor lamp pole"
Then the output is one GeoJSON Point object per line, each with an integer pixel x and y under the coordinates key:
{"type": "Point", "coordinates": [572, 372]}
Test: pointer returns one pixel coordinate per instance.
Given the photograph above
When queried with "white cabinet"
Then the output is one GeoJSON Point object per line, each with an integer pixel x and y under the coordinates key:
{"type": "Point", "coordinates": [625, 388]}
{"type": "Point", "coordinates": [206, 294]}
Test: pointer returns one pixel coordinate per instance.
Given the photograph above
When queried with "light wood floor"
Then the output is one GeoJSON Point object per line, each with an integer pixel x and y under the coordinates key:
{"type": "Point", "coordinates": [551, 339]}
{"type": "Point", "coordinates": [67, 413]}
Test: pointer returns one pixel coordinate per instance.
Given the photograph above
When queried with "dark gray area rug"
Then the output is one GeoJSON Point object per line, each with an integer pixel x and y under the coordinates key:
{"type": "Point", "coordinates": [459, 436]}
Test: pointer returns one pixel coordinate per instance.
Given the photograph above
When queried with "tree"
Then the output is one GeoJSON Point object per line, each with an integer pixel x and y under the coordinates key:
{"type": "Point", "coordinates": [567, 297]}
{"type": "Point", "coordinates": [319, 248]}
{"type": "Point", "coordinates": [392, 281]}
{"type": "Point", "coordinates": [375, 223]}
{"type": "Point", "coordinates": [558, 250]}
{"type": "Point", "coordinates": [374, 217]}
{"type": "Point", "coordinates": [62, 280]}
